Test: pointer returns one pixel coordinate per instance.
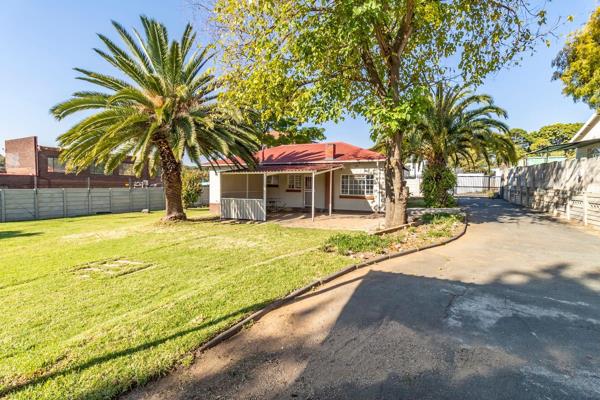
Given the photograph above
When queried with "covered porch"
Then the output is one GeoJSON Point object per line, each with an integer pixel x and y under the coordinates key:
{"type": "Point", "coordinates": [339, 220]}
{"type": "Point", "coordinates": [251, 194]}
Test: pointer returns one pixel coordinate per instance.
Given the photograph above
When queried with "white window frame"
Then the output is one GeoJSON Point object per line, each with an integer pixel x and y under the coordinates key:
{"type": "Point", "coordinates": [273, 180]}
{"type": "Point", "coordinates": [358, 177]}
{"type": "Point", "coordinates": [294, 182]}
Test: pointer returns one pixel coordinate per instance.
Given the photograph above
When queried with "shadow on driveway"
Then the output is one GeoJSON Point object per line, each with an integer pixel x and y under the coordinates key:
{"type": "Point", "coordinates": [408, 337]}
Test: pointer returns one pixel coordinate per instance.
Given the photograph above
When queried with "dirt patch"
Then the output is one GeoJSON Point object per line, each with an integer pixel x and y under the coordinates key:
{"type": "Point", "coordinates": [109, 268]}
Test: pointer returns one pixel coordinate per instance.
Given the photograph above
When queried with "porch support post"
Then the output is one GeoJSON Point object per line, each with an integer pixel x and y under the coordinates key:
{"type": "Point", "coordinates": [312, 193]}
{"type": "Point", "coordinates": [330, 191]}
{"type": "Point", "coordinates": [264, 195]}
{"type": "Point", "coordinates": [220, 195]}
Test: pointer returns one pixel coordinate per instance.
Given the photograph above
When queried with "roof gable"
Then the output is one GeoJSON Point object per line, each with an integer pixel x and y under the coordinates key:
{"type": "Point", "coordinates": [590, 128]}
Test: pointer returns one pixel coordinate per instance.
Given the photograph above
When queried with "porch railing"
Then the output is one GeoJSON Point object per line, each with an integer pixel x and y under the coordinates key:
{"type": "Point", "coordinates": [250, 209]}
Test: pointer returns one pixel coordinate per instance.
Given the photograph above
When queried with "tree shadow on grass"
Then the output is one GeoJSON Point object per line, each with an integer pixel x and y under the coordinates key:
{"type": "Point", "coordinates": [15, 234]}
{"type": "Point", "coordinates": [44, 377]}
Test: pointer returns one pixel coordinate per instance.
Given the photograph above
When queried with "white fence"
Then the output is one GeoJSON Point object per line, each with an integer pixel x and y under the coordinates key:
{"type": "Point", "coordinates": [476, 183]}
{"type": "Point", "coordinates": [466, 184]}
{"type": "Point", "coordinates": [31, 204]}
{"type": "Point", "coordinates": [569, 189]}
{"type": "Point", "coordinates": [251, 209]}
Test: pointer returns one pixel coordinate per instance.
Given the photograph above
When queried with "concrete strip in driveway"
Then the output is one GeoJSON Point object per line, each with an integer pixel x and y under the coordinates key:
{"type": "Point", "coordinates": [510, 311]}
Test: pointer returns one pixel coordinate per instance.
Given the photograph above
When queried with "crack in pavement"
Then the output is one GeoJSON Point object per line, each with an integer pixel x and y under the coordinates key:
{"type": "Point", "coordinates": [453, 297]}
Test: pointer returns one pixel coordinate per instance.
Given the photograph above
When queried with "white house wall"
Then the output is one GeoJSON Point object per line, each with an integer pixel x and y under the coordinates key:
{"type": "Point", "coordinates": [235, 186]}
{"type": "Point", "coordinates": [349, 204]}
{"type": "Point", "coordinates": [414, 186]}
{"type": "Point", "coordinates": [592, 133]}
{"type": "Point", "coordinates": [214, 181]}
{"type": "Point", "coordinates": [285, 198]}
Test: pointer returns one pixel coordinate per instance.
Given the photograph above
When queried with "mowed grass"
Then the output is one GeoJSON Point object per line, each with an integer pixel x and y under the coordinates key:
{"type": "Point", "coordinates": [92, 305]}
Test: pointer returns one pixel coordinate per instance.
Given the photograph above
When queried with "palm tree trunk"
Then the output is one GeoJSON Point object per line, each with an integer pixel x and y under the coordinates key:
{"type": "Point", "coordinates": [171, 178]}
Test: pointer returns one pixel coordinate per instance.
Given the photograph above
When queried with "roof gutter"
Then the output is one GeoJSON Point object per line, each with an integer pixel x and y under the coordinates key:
{"type": "Point", "coordinates": [565, 146]}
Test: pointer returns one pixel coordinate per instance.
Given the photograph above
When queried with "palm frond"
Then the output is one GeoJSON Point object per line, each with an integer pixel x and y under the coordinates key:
{"type": "Point", "coordinates": [167, 96]}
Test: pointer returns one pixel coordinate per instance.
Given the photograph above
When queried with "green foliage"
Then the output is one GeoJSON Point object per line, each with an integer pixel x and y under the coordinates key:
{"type": "Point", "coordinates": [459, 127]}
{"type": "Point", "coordinates": [163, 108]}
{"type": "Point", "coordinates": [554, 134]}
{"type": "Point", "coordinates": [316, 60]}
{"type": "Point", "coordinates": [436, 218]}
{"type": "Point", "coordinates": [521, 139]}
{"type": "Point", "coordinates": [349, 243]}
{"type": "Point", "coordinates": [578, 63]}
{"type": "Point", "coordinates": [287, 131]}
{"type": "Point", "coordinates": [191, 181]}
{"type": "Point", "coordinates": [435, 225]}
{"type": "Point", "coordinates": [2, 163]}
{"type": "Point", "coordinates": [437, 186]}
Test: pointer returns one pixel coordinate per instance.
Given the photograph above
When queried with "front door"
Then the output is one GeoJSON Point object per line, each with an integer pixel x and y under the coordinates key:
{"type": "Point", "coordinates": [308, 187]}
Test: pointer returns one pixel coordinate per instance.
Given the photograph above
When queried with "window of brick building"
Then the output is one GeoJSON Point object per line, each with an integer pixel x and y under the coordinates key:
{"type": "Point", "coordinates": [126, 169]}
{"type": "Point", "coordinates": [54, 165]}
{"type": "Point", "coordinates": [97, 169]}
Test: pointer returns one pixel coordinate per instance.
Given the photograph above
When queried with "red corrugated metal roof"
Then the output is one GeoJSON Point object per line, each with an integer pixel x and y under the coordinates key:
{"type": "Point", "coordinates": [287, 168]}
{"type": "Point", "coordinates": [313, 153]}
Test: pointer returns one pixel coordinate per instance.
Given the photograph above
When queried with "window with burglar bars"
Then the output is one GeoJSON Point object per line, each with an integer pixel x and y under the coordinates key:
{"type": "Point", "coordinates": [357, 185]}
{"type": "Point", "coordinates": [294, 182]}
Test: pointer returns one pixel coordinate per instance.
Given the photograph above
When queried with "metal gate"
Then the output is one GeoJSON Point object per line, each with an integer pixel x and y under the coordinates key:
{"type": "Point", "coordinates": [476, 184]}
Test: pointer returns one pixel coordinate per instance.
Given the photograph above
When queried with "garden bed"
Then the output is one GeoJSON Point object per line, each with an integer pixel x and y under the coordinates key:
{"type": "Point", "coordinates": [430, 228]}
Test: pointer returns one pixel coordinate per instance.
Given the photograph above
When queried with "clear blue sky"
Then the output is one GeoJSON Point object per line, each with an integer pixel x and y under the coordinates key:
{"type": "Point", "coordinates": [43, 40]}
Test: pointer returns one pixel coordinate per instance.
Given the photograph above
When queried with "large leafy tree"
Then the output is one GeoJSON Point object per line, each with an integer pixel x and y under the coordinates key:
{"type": "Point", "coordinates": [458, 127]}
{"type": "Point", "coordinates": [521, 139]}
{"type": "Point", "coordinates": [318, 59]}
{"type": "Point", "coordinates": [161, 110]}
{"type": "Point", "coordinates": [553, 134]}
{"type": "Point", "coordinates": [281, 131]}
{"type": "Point", "coordinates": [578, 63]}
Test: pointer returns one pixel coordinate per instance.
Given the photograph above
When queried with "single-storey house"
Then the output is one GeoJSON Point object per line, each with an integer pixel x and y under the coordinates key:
{"type": "Point", "coordinates": [316, 176]}
{"type": "Point", "coordinates": [587, 139]}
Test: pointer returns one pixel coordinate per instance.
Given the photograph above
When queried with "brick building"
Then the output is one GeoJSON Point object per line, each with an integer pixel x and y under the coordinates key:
{"type": "Point", "coordinates": [29, 165]}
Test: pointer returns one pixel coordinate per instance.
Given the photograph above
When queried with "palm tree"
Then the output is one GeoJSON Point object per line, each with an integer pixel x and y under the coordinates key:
{"type": "Point", "coordinates": [459, 126]}
{"type": "Point", "coordinates": [163, 109]}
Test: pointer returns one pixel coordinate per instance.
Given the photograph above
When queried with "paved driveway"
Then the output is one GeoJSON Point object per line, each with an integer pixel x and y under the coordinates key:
{"type": "Point", "coordinates": [510, 311]}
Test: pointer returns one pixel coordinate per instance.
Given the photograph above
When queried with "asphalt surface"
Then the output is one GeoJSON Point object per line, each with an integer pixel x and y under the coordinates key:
{"type": "Point", "coordinates": [509, 311]}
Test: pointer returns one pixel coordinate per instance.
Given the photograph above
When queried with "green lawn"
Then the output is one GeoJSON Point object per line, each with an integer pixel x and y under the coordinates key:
{"type": "Point", "coordinates": [92, 305]}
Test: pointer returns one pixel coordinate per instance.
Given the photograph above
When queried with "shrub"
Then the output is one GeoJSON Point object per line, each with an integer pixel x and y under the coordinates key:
{"type": "Point", "coordinates": [345, 244]}
{"type": "Point", "coordinates": [437, 218]}
{"type": "Point", "coordinates": [191, 180]}
{"type": "Point", "coordinates": [438, 183]}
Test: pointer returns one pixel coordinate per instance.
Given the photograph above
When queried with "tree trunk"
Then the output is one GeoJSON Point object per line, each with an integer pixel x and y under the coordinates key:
{"type": "Point", "coordinates": [396, 192]}
{"type": "Point", "coordinates": [171, 178]}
